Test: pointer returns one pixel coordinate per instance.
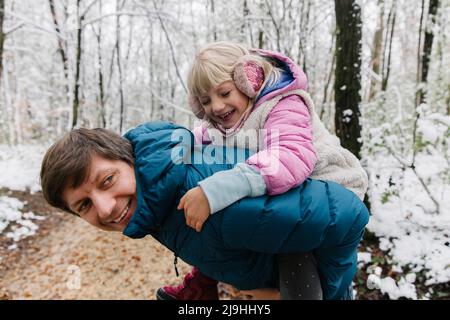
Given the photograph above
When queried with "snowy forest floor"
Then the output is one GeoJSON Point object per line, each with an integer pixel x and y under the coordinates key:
{"type": "Point", "coordinates": [68, 259]}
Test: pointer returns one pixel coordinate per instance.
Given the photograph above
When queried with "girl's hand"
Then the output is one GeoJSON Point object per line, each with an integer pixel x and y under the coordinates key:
{"type": "Point", "coordinates": [196, 208]}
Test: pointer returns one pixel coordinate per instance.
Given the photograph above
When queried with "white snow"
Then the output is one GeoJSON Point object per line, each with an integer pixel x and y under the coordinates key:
{"type": "Point", "coordinates": [20, 224]}
{"type": "Point", "coordinates": [412, 233]}
{"type": "Point", "coordinates": [364, 257]}
{"type": "Point", "coordinates": [347, 112]}
{"type": "Point", "coordinates": [20, 167]}
{"type": "Point", "coordinates": [9, 211]}
{"type": "Point", "coordinates": [397, 290]}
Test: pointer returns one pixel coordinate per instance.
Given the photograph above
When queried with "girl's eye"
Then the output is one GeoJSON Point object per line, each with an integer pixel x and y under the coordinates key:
{"type": "Point", "coordinates": [204, 102]}
{"type": "Point", "coordinates": [225, 94]}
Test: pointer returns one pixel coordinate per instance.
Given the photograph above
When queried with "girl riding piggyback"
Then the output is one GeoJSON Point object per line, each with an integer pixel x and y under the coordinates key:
{"type": "Point", "coordinates": [256, 99]}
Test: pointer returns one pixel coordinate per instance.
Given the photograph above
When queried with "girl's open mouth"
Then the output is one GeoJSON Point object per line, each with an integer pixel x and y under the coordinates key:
{"type": "Point", "coordinates": [227, 116]}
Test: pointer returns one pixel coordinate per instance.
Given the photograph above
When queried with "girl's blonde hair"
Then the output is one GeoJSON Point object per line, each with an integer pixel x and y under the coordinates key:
{"type": "Point", "coordinates": [215, 63]}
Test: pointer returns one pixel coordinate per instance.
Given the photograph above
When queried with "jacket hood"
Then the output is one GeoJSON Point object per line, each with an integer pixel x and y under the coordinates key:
{"type": "Point", "coordinates": [299, 77]}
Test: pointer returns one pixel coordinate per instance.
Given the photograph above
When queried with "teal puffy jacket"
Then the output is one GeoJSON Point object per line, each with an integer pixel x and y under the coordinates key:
{"type": "Point", "coordinates": [238, 244]}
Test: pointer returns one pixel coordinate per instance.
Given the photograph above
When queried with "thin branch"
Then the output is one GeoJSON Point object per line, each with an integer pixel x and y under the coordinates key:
{"type": "Point", "coordinates": [83, 14]}
{"type": "Point", "coordinates": [170, 104]}
{"type": "Point", "coordinates": [12, 29]}
{"type": "Point", "coordinates": [126, 13]}
{"type": "Point", "coordinates": [275, 24]}
{"type": "Point", "coordinates": [36, 25]}
{"type": "Point", "coordinates": [172, 51]}
{"type": "Point", "coordinates": [422, 182]}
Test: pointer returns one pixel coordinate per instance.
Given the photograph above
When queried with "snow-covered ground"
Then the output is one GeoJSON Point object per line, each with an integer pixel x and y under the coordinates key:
{"type": "Point", "coordinates": [413, 235]}
{"type": "Point", "coordinates": [20, 167]}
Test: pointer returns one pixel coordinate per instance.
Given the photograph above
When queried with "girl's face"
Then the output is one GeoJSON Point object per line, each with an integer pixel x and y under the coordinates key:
{"type": "Point", "coordinates": [224, 104]}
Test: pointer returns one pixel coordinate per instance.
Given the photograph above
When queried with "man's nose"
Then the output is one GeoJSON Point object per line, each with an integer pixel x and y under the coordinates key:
{"type": "Point", "coordinates": [104, 205]}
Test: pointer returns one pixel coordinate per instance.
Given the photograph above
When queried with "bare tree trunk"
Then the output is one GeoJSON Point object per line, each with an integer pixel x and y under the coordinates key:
{"type": "Point", "coordinates": [275, 24]}
{"type": "Point", "coordinates": [260, 39]}
{"type": "Point", "coordinates": [214, 18]}
{"type": "Point", "coordinates": [101, 88]}
{"type": "Point", "coordinates": [2, 40]}
{"type": "Point", "coordinates": [152, 76]}
{"type": "Point", "coordinates": [119, 68]}
{"type": "Point", "coordinates": [423, 57]}
{"type": "Point", "coordinates": [304, 25]}
{"type": "Point", "coordinates": [172, 50]}
{"type": "Point", "coordinates": [387, 60]}
{"type": "Point", "coordinates": [245, 24]}
{"type": "Point", "coordinates": [330, 75]}
{"type": "Point", "coordinates": [2, 34]}
{"type": "Point", "coordinates": [427, 45]}
{"type": "Point", "coordinates": [61, 48]}
{"type": "Point", "coordinates": [76, 99]}
{"type": "Point", "coordinates": [377, 47]}
{"type": "Point", "coordinates": [419, 54]}
{"type": "Point", "coordinates": [348, 74]}
{"type": "Point", "coordinates": [8, 106]}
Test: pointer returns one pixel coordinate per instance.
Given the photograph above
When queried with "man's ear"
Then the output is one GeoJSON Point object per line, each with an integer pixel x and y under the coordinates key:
{"type": "Point", "coordinates": [196, 107]}
{"type": "Point", "coordinates": [248, 76]}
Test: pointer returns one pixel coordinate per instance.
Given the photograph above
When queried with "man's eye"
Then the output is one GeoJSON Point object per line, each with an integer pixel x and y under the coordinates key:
{"type": "Point", "coordinates": [108, 180]}
{"type": "Point", "coordinates": [84, 205]}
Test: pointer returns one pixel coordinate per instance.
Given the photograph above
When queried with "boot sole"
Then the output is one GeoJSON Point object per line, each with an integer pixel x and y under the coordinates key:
{"type": "Point", "coordinates": [162, 295]}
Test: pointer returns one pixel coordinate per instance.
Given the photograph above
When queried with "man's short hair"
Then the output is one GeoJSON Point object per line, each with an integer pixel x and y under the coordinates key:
{"type": "Point", "coordinates": [67, 162]}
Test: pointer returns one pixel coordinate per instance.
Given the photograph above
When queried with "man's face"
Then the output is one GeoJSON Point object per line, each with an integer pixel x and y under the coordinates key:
{"type": "Point", "coordinates": [107, 199]}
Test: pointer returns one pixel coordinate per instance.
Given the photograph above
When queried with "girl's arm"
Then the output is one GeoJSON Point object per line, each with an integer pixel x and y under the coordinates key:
{"type": "Point", "coordinates": [219, 191]}
{"type": "Point", "coordinates": [286, 162]}
{"type": "Point", "coordinates": [289, 156]}
{"type": "Point", "coordinates": [226, 187]}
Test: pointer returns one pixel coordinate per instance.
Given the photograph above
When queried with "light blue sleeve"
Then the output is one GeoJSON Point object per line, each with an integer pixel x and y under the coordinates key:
{"type": "Point", "coordinates": [226, 187]}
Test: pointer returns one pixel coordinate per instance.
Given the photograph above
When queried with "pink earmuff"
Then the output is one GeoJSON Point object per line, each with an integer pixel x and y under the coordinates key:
{"type": "Point", "coordinates": [248, 77]}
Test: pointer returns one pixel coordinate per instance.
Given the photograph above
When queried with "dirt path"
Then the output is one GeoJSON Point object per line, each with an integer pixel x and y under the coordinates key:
{"type": "Point", "coordinates": [69, 259]}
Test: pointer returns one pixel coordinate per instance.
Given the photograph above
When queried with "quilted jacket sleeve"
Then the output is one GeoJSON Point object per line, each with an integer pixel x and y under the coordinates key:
{"type": "Point", "coordinates": [289, 156]}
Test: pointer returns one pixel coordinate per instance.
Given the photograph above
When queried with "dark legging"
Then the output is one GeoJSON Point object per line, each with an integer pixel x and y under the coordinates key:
{"type": "Point", "coordinates": [299, 279]}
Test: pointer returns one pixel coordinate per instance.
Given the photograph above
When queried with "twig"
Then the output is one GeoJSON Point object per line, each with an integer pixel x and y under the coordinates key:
{"type": "Point", "coordinates": [172, 51]}
{"type": "Point", "coordinates": [405, 166]}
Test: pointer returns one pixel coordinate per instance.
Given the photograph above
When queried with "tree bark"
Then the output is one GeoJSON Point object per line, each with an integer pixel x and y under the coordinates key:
{"type": "Point", "coordinates": [119, 69]}
{"type": "Point", "coordinates": [61, 48]}
{"type": "Point", "coordinates": [427, 45]}
{"type": "Point", "coordinates": [419, 58]}
{"type": "Point", "coordinates": [275, 24]}
{"type": "Point", "coordinates": [304, 23]}
{"type": "Point", "coordinates": [387, 60]}
{"type": "Point", "coordinates": [348, 74]}
{"type": "Point", "coordinates": [2, 35]}
{"type": "Point", "coordinates": [377, 47]}
{"type": "Point", "coordinates": [172, 50]}
{"type": "Point", "coordinates": [214, 19]}
{"type": "Point", "coordinates": [76, 99]}
{"type": "Point", "coordinates": [329, 77]}
{"type": "Point", "coordinates": [101, 86]}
